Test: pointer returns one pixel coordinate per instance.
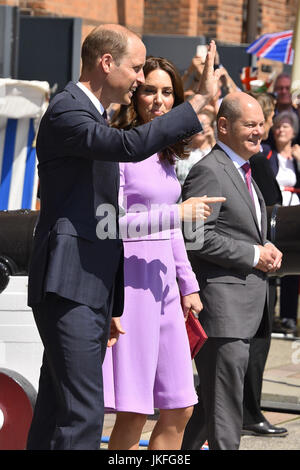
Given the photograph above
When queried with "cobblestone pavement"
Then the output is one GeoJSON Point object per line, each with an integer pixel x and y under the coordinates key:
{"type": "Point", "coordinates": [280, 399]}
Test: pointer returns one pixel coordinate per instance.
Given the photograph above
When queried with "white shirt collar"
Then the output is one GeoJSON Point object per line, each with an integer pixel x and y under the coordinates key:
{"type": "Point", "coordinates": [237, 160]}
{"type": "Point", "coordinates": [238, 163]}
{"type": "Point", "coordinates": [92, 97]}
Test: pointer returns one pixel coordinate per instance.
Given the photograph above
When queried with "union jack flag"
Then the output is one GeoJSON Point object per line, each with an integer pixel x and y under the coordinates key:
{"type": "Point", "coordinates": [274, 46]}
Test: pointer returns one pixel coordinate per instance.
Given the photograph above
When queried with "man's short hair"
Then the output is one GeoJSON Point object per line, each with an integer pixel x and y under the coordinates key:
{"type": "Point", "coordinates": [103, 41]}
{"type": "Point", "coordinates": [230, 109]}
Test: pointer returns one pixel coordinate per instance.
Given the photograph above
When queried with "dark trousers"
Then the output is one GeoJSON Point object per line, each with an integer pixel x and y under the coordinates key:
{"type": "Point", "coordinates": [218, 415]}
{"type": "Point", "coordinates": [69, 410]}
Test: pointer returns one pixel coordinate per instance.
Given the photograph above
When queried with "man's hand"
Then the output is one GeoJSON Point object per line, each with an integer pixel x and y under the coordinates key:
{"type": "Point", "coordinates": [197, 208]}
{"type": "Point", "coordinates": [209, 82]}
{"type": "Point", "coordinates": [270, 258]}
{"type": "Point", "coordinates": [191, 302]}
{"type": "Point", "coordinates": [115, 331]}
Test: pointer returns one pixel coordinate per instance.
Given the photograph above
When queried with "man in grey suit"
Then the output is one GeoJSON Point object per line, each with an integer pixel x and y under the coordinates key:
{"type": "Point", "coordinates": [231, 268]}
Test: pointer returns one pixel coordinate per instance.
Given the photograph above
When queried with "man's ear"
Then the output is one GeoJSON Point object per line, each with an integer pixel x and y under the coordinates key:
{"type": "Point", "coordinates": [105, 62]}
{"type": "Point", "coordinates": [223, 125]}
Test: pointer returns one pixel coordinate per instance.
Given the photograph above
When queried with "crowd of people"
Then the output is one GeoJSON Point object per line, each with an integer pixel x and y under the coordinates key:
{"type": "Point", "coordinates": [111, 312]}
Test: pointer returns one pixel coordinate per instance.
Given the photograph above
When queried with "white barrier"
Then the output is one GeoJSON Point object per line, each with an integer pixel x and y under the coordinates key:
{"type": "Point", "coordinates": [21, 349]}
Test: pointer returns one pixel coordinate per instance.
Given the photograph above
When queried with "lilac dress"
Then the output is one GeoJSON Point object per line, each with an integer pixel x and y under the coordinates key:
{"type": "Point", "coordinates": [150, 366]}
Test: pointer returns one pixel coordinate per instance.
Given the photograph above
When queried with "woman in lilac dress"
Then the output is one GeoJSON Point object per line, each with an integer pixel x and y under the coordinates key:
{"type": "Point", "coordinates": [150, 366]}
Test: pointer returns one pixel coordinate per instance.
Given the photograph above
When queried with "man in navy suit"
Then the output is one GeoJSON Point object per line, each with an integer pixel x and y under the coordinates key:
{"type": "Point", "coordinates": [76, 278]}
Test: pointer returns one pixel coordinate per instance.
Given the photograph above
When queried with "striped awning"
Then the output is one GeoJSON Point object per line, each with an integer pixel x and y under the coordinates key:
{"type": "Point", "coordinates": [18, 175]}
{"type": "Point", "coordinates": [274, 46]}
{"type": "Point", "coordinates": [22, 104]}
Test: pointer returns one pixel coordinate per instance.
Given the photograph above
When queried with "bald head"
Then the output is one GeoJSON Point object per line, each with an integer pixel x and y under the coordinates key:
{"type": "Point", "coordinates": [240, 123]}
{"type": "Point", "coordinates": [110, 39]}
{"type": "Point", "coordinates": [235, 104]}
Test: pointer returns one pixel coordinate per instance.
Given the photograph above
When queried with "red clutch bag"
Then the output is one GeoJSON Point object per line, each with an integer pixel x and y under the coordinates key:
{"type": "Point", "coordinates": [196, 334]}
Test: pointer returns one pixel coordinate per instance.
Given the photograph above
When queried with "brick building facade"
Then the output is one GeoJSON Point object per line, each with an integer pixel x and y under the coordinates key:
{"type": "Point", "coordinates": [223, 20]}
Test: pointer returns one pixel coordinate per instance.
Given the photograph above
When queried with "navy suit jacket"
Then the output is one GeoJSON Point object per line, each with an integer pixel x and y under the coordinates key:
{"type": "Point", "coordinates": [78, 170]}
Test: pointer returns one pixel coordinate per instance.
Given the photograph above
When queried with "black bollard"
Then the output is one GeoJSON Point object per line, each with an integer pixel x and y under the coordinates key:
{"type": "Point", "coordinates": [16, 236]}
{"type": "Point", "coordinates": [284, 232]}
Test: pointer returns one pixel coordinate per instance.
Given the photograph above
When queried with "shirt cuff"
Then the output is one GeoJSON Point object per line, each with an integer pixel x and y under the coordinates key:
{"type": "Point", "coordinates": [256, 255]}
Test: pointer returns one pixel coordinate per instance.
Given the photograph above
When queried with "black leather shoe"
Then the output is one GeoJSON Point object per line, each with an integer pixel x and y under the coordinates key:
{"type": "Point", "coordinates": [264, 429]}
{"type": "Point", "coordinates": [289, 325]}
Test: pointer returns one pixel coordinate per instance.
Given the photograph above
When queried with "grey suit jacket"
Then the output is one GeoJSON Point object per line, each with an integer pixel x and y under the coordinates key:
{"type": "Point", "coordinates": [233, 293]}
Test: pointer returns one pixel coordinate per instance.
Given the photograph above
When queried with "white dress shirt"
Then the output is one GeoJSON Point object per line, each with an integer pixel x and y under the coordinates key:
{"type": "Point", "coordinates": [92, 97]}
{"type": "Point", "coordinates": [238, 163]}
{"type": "Point", "coordinates": [286, 176]}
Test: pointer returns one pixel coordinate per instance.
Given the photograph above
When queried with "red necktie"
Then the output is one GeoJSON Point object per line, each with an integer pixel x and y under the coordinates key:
{"type": "Point", "coordinates": [247, 170]}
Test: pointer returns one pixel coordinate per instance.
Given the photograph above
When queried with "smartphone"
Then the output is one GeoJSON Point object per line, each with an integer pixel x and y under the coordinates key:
{"type": "Point", "coordinates": [201, 51]}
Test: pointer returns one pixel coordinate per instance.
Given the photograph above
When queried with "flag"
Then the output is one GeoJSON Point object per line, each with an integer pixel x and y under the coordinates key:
{"type": "Point", "coordinates": [274, 46]}
{"type": "Point", "coordinates": [247, 75]}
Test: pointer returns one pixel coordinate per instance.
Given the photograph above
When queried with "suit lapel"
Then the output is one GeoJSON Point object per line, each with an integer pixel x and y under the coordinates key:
{"type": "Point", "coordinates": [263, 210]}
{"type": "Point", "coordinates": [79, 95]}
{"type": "Point", "coordinates": [236, 179]}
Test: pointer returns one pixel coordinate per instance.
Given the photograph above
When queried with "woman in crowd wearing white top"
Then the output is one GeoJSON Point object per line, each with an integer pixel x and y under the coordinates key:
{"type": "Point", "coordinates": [284, 158]}
{"type": "Point", "coordinates": [200, 144]}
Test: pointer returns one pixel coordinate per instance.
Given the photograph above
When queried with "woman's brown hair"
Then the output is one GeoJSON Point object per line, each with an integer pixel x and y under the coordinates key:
{"type": "Point", "coordinates": [126, 117]}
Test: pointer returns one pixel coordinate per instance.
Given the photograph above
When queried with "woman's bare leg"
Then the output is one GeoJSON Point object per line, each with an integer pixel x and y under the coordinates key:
{"type": "Point", "coordinates": [168, 431]}
{"type": "Point", "coordinates": [127, 431]}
